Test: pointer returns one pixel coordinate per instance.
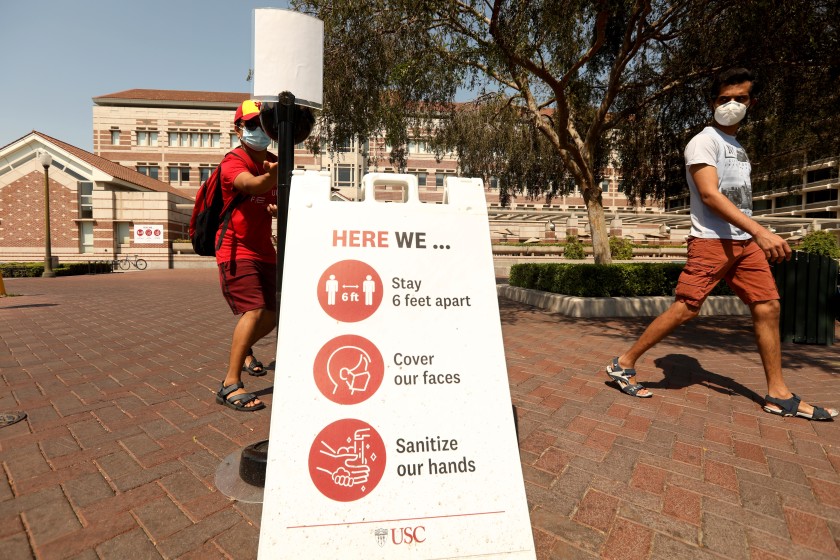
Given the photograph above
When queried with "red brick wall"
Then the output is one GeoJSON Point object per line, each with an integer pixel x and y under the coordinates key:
{"type": "Point", "coordinates": [23, 215]}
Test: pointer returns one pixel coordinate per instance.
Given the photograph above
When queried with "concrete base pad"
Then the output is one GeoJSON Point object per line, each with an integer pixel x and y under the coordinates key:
{"type": "Point", "coordinates": [652, 306]}
{"type": "Point", "coordinates": [231, 485]}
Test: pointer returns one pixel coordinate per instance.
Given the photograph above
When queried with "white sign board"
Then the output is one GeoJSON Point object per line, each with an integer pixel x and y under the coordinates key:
{"type": "Point", "coordinates": [288, 56]}
{"type": "Point", "coordinates": [148, 233]}
{"type": "Point", "coordinates": [392, 432]}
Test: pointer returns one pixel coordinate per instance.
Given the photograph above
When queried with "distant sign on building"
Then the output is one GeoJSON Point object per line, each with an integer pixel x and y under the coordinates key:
{"type": "Point", "coordinates": [148, 233]}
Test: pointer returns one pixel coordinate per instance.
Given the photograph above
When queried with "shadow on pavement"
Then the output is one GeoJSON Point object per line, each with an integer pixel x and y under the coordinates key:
{"type": "Point", "coordinates": [29, 305]}
{"type": "Point", "coordinates": [729, 333]}
{"type": "Point", "coordinates": [681, 371]}
{"type": "Point", "coordinates": [266, 391]}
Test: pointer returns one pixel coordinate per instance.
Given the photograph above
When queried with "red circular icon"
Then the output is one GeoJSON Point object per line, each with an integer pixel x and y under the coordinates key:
{"type": "Point", "coordinates": [350, 291]}
{"type": "Point", "coordinates": [347, 460]}
{"type": "Point", "coordinates": [348, 369]}
{"type": "Point", "coordinates": [148, 232]}
{"type": "Point", "coordinates": [140, 232]}
{"type": "Point", "coordinates": [157, 232]}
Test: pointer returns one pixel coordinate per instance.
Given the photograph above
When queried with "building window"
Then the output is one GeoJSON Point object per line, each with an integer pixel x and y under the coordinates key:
{"type": "Point", "coordinates": [824, 174]}
{"type": "Point", "coordinates": [417, 147]}
{"type": "Point", "coordinates": [152, 171]}
{"type": "Point", "coordinates": [85, 200]}
{"type": "Point", "coordinates": [86, 237]}
{"type": "Point", "coordinates": [494, 183]}
{"type": "Point", "coordinates": [115, 137]}
{"type": "Point", "coordinates": [440, 177]}
{"type": "Point", "coordinates": [147, 138]}
{"type": "Point", "coordinates": [788, 201]}
{"type": "Point", "coordinates": [204, 173]}
{"type": "Point", "coordinates": [123, 233]}
{"type": "Point", "coordinates": [179, 175]}
{"type": "Point", "coordinates": [421, 178]}
{"type": "Point", "coordinates": [345, 146]}
{"type": "Point", "coordinates": [820, 196]}
{"type": "Point", "coordinates": [345, 176]}
{"type": "Point", "coordinates": [605, 186]}
{"type": "Point", "coordinates": [194, 139]}
{"type": "Point", "coordinates": [234, 140]}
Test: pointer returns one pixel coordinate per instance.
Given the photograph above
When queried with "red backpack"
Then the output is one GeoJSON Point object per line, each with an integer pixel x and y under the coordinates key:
{"type": "Point", "coordinates": [210, 215]}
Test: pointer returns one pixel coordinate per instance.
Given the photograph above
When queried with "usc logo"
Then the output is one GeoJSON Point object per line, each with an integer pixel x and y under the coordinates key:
{"type": "Point", "coordinates": [408, 535]}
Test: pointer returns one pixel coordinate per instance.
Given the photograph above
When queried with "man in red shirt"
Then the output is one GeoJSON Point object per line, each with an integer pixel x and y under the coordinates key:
{"type": "Point", "coordinates": [247, 259]}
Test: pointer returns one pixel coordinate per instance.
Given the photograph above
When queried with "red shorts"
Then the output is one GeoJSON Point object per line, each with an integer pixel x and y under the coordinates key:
{"type": "Point", "coordinates": [249, 285]}
{"type": "Point", "coordinates": [741, 263]}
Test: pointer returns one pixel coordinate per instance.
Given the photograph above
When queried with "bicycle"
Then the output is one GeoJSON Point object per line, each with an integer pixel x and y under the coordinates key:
{"type": "Point", "coordinates": [125, 263]}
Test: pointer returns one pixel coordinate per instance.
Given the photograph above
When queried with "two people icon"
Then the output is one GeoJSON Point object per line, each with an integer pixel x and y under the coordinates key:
{"type": "Point", "coordinates": [332, 288]}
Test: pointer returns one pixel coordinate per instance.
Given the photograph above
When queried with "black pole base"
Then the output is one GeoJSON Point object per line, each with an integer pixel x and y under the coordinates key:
{"type": "Point", "coordinates": [252, 463]}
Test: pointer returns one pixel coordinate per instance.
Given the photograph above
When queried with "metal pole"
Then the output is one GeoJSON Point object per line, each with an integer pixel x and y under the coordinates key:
{"type": "Point", "coordinates": [48, 271]}
{"type": "Point", "coordinates": [285, 115]}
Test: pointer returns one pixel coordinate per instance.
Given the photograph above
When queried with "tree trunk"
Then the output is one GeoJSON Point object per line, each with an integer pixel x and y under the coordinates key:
{"type": "Point", "coordinates": [597, 226]}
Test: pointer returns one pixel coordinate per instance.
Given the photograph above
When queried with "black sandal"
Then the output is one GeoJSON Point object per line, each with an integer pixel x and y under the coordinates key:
{"type": "Point", "coordinates": [622, 378]}
{"type": "Point", "coordinates": [790, 407]}
{"type": "Point", "coordinates": [237, 402]}
{"type": "Point", "coordinates": [254, 367]}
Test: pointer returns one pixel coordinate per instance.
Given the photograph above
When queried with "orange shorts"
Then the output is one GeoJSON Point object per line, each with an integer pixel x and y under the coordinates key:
{"type": "Point", "coordinates": [741, 263]}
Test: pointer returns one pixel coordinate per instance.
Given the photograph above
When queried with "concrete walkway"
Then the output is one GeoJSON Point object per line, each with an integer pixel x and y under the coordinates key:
{"type": "Point", "coordinates": [117, 456]}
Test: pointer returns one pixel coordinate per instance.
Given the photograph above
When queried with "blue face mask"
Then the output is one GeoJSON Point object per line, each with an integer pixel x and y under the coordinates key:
{"type": "Point", "coordinates": [255, 139]}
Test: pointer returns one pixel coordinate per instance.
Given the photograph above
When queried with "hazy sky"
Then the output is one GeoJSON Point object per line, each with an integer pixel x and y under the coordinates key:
{"type": "Point", "coordinates": [58, 54]}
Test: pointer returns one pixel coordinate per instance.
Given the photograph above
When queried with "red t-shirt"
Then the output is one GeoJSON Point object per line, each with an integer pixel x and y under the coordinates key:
{"type": "Point", "coordinates": [248, 236]}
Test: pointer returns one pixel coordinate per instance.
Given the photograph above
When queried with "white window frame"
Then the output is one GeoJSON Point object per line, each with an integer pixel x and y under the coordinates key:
{"type": "Point", "coordinates": [147, 167]}
{"type": "Point", "coordinates": [146, 137]}
{"type": "Point", "coordinates": [85, 201]}
{"type": "Point", "coordinates": [180, 180]}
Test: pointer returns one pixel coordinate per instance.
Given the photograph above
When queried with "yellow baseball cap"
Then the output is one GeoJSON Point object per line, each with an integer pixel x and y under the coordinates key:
{"type": "Point", "coordinates": [247, 110]}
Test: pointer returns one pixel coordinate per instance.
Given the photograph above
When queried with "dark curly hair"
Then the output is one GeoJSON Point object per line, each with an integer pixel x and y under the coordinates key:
{"type": "Point", "coordinates": [730, 77]}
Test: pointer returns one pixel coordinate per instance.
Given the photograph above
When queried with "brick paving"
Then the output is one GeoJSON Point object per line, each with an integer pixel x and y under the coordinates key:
{"type": "Point", "coordinates": [118, 454]}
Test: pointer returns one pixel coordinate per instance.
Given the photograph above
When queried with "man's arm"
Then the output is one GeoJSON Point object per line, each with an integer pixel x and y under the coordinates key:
{"type": "Point", "coordinates": [249, 184]}
{"type": "Point", "coordinates": [705, 177]}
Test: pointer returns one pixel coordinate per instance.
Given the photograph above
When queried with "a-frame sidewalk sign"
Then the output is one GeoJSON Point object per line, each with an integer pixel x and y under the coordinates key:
{"type": "Point", "coordinates": [392, 433]}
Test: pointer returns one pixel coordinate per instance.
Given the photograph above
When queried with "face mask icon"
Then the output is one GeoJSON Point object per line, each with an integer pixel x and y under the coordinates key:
{"type": "Point", "coordinates": [347, 368]}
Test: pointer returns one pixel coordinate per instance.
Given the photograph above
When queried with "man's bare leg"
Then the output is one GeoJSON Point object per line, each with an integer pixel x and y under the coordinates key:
{"type": "Point", "coordinates": [251, 327]}
{"type": "Point", "coordinates": [765, 316]}
{"type": "Point", "coordinates": [679, 313]}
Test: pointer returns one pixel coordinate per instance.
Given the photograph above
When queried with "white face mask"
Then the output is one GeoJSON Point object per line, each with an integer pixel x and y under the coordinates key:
{"type": "Point", "coordinates": [255, 139]}
{"type": "Point", "coordinates": [730, 113]}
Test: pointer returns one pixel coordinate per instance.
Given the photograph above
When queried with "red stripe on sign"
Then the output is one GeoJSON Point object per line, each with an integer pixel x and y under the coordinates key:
{"type": "Point", "coordinates": [393, 520]}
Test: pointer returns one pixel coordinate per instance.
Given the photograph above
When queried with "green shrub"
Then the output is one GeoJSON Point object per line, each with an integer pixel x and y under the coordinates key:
{"type": "Point", "coordinates": [77, 268]}
{"type": "Point", "coordinates": [621, 249]}
{"type": "Point", "coordinates": [602, 280]}
{"type": "Point", "coordinates": [820, 243]}
{"type": "Point", "coordinates": [30, 269]}
{"type": "Point", "coordinates": [574, 248]}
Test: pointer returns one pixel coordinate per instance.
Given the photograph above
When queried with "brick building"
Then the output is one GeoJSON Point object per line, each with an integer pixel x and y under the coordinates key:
{"type": "Point", "coordinates": [94, 205]}
{"type": "Point", "coordinates": [179, 136]}
{"type": "Point", "coordinates": [153, 149]}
